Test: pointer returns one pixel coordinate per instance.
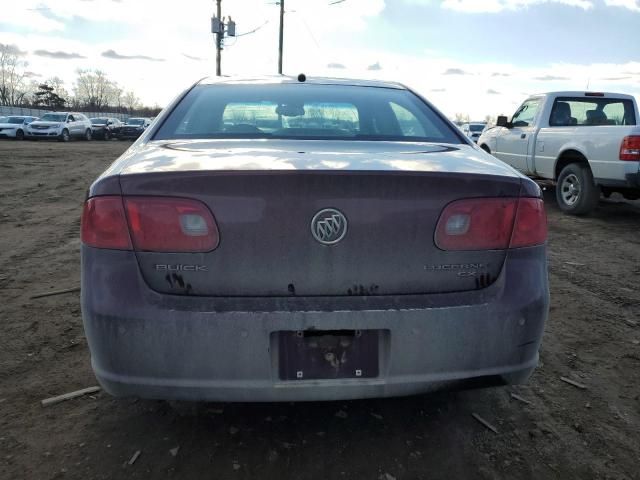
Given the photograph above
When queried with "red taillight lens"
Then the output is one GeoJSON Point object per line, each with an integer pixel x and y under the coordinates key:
{"type": "Point", "coordinates": [104, 224]}
{"type": "Point", "coordinates": [530, 227]}
{"type": "Point", "coordinates": [630, 148]}
{"type": "Point", "coordinates": [491, 224]}
{"type": "Point", "coordinates": [159, 224]}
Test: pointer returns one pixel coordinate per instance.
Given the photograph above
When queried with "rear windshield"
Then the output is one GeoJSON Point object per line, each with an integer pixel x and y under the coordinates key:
{"type": "Point", "coordinates": [135, 121]}
{"type": "Point", "coordinates": [99, 121]}
{"type": "Point", "coordinates": [305, 111]}
{"type": "Point", "coordinates": [476, 128]}
{"type": "Point", "coordinates": [589, 111]}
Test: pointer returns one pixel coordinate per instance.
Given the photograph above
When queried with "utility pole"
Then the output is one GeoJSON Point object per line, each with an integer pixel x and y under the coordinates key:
{"type": "Point", "coordinates": [219, 28]}
{"type": "Point", "coordinates": [281, 36]}
{"type": "Point", "coordinates": [219, 39]}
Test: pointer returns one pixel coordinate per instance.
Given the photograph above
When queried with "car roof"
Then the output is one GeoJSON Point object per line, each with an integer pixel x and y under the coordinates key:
{"type": "Point", "coordinates": [583, 93]}
{"type": "Point", "coordinates": [279, 79]}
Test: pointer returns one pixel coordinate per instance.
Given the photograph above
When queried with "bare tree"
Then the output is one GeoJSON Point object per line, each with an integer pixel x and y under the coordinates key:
{"type": "Point", "coordinates": [12, 75]}
{"type": "Point", "coordinates": [58, 87]}
{"type": "Point", "coordinates": [461, 118]}
{"type": "Point", "coordinates": [94, 90]}
{"type": "Point", "coordinates": [131, 101]}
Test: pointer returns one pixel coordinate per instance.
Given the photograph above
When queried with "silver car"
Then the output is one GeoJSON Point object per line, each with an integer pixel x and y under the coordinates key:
{"type": "Point", "coordinates": [62, 126]}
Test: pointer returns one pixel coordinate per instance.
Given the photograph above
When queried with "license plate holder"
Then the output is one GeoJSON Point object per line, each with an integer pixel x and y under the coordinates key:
{"type": "Point", "coordinates": [327, 354]}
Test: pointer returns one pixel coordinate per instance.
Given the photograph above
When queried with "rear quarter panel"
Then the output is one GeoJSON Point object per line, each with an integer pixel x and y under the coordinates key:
{"type": "Point", "coordinates": [600, 145]}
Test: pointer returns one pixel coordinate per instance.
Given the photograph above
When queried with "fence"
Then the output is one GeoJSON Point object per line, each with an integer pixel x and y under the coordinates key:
{"type": "Point", "coordinates": [38, 112]}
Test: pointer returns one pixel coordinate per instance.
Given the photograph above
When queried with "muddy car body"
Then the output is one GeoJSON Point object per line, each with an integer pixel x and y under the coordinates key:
{"type": "Point", "coordinates": [277, 240]}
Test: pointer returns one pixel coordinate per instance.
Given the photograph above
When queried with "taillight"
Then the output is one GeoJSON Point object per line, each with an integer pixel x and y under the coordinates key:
{"type": "Point", "coordinates": [630, 148]}
{"type": "Point", "coordinates": [530, 227]}
{"type": "Point", "coordinates": [104, 224]}
{"type": "Point", "coordinates": [491, 224]}
{"type": "Point", "coordinates": [165, 224]}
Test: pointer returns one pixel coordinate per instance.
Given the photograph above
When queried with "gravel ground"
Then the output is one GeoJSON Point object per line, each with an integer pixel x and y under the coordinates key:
{"type": "Point", "coordinates": [563, 432]}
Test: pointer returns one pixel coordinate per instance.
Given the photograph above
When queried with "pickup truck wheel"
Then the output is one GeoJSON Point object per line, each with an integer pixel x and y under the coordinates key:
{"type": "Point", "coordinates": [576, 192]}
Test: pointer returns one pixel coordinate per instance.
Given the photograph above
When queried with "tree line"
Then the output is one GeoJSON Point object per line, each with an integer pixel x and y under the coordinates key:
{"type": "Point", "coordinates": [92, 90]}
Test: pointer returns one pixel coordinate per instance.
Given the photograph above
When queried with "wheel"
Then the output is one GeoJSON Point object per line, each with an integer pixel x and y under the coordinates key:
{"type": "Point", "coordinates": [64, 136]}
{"type": "Point", "coordinates": [576, 192]}
{"type": "Point", "coordinates": [485, 148]}
{"type": "Point", "coordinates": [107, 135]}
{"type": "Point", "coordinates": [19, 135]}
{"type": "Point", "coordinates": [87, 134]}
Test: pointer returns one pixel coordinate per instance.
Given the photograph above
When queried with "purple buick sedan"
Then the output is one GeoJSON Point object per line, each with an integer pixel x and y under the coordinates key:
{"type": "Point", "coordinates": [291, 239]}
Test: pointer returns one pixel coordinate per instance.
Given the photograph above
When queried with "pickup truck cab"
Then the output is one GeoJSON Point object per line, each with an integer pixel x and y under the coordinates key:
{"type": "Point", "coordinates": [586, 142]}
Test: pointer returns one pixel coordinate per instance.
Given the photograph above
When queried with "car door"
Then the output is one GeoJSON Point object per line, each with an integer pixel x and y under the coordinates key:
{"type": "Point", "coordinates": [72, 125]}
{"type": "Point", "coordinates": [512, 144]}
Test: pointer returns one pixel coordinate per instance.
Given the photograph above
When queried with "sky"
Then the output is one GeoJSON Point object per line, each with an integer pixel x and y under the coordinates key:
{"type": "Point", "coordinates": [476, 57]}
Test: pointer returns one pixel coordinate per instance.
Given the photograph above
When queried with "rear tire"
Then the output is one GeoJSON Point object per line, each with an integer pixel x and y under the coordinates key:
{"type": "Point", "coordinates": [107, 135]}
{"type": "Point", "coordinates": [87, 135]}
{"type": "Point", "coordinates": [576, 192]}
{"type": "Point", "coordinates": [485, 148]}
{"type": "Point", "coordinates": [19, 135]}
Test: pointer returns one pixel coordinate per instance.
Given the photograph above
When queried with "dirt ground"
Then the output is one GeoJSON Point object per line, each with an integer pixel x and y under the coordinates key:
{"type": "Point", "coordinates": [564, 432]}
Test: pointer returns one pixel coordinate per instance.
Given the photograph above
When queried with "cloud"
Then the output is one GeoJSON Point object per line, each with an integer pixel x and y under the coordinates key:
{"type": "Point", "coordinates": [112, 54]}
{"type": "Point", "coordinates": [375, 67]}
{"type": "Point", "coordinates": [335, 65]}
{"type": "Point", "coordinates": [31, 74]}
{"type": "Point", "coordinates": [13, 49]}
{"type": "Point", "coordinates": [436, 90]}
{"type": "Point", "coordinates": [549, 78]}
{"type": "Point", "coordinates": [495, 6]}
{"type": "Point", "coordinates": [191, 57]}
{"type": "Point", "coordinates": [58, 54]}
{"type": "Point", "coordinates": [500, 74]}
{"type": "Point", "coordinates": [455, 71]}
{"type": "Point", "coordinates": [615, 79]}
{"type": "Point", "coordinates": [491, 91]}
{"type": "Point", "coordinates": [633, 5]}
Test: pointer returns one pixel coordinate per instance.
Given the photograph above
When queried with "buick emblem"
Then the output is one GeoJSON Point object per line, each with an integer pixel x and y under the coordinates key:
{"type": "Point", "coordinates": [329, 226]}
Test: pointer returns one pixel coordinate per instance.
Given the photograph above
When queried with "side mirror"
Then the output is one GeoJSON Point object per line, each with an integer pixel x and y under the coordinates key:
{"type": "Point", "coordinates": [502, 121]}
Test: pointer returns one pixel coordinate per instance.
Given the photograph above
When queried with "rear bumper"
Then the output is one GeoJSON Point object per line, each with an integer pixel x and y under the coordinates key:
{"type": "Point", "coordinates": [160, 346]}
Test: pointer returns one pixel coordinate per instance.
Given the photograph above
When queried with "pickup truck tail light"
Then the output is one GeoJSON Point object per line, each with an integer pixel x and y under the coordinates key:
{"type": "Point", "coordinates": [630, 148]}
{"type": "Point", "coordinates": [491, 224]}
{"type": "Point", "coordinates": [150, 224]}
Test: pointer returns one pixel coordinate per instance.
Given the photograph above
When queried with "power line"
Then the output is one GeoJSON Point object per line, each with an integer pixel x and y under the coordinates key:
{"type": "Point", "coordinates": [252, 31]}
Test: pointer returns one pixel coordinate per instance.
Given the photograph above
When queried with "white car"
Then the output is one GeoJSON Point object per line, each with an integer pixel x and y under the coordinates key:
{"type": "Point", "coordinates": [14, 126]}
{"type": "Point", "coordinates": [587, 142]}
{"type": "Point", "coordinates": [62, 126]}
{"type": "Point", "coordinates": [473, 130]}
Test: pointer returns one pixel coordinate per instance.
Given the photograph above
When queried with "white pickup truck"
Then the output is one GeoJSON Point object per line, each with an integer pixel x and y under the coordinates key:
{"type": "Point", "coordinates": [586, 142]}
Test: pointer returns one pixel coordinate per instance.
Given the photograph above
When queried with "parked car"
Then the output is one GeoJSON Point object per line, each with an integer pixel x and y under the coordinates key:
{"type": "Point", "coordinates": [587, 142]}
{"type": "Point", "coordinates": [473, 130]}
{"type": "Point", "coordinates": [60, 125]}
{"type": "Point", "coordinates": [293, 239]}
{"type": "Point", "coordinates": [133, 128]}
{"type": "Point", "coordinates": [14, 126]}
{"type": "Point", "coordinates": [106, 128]}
